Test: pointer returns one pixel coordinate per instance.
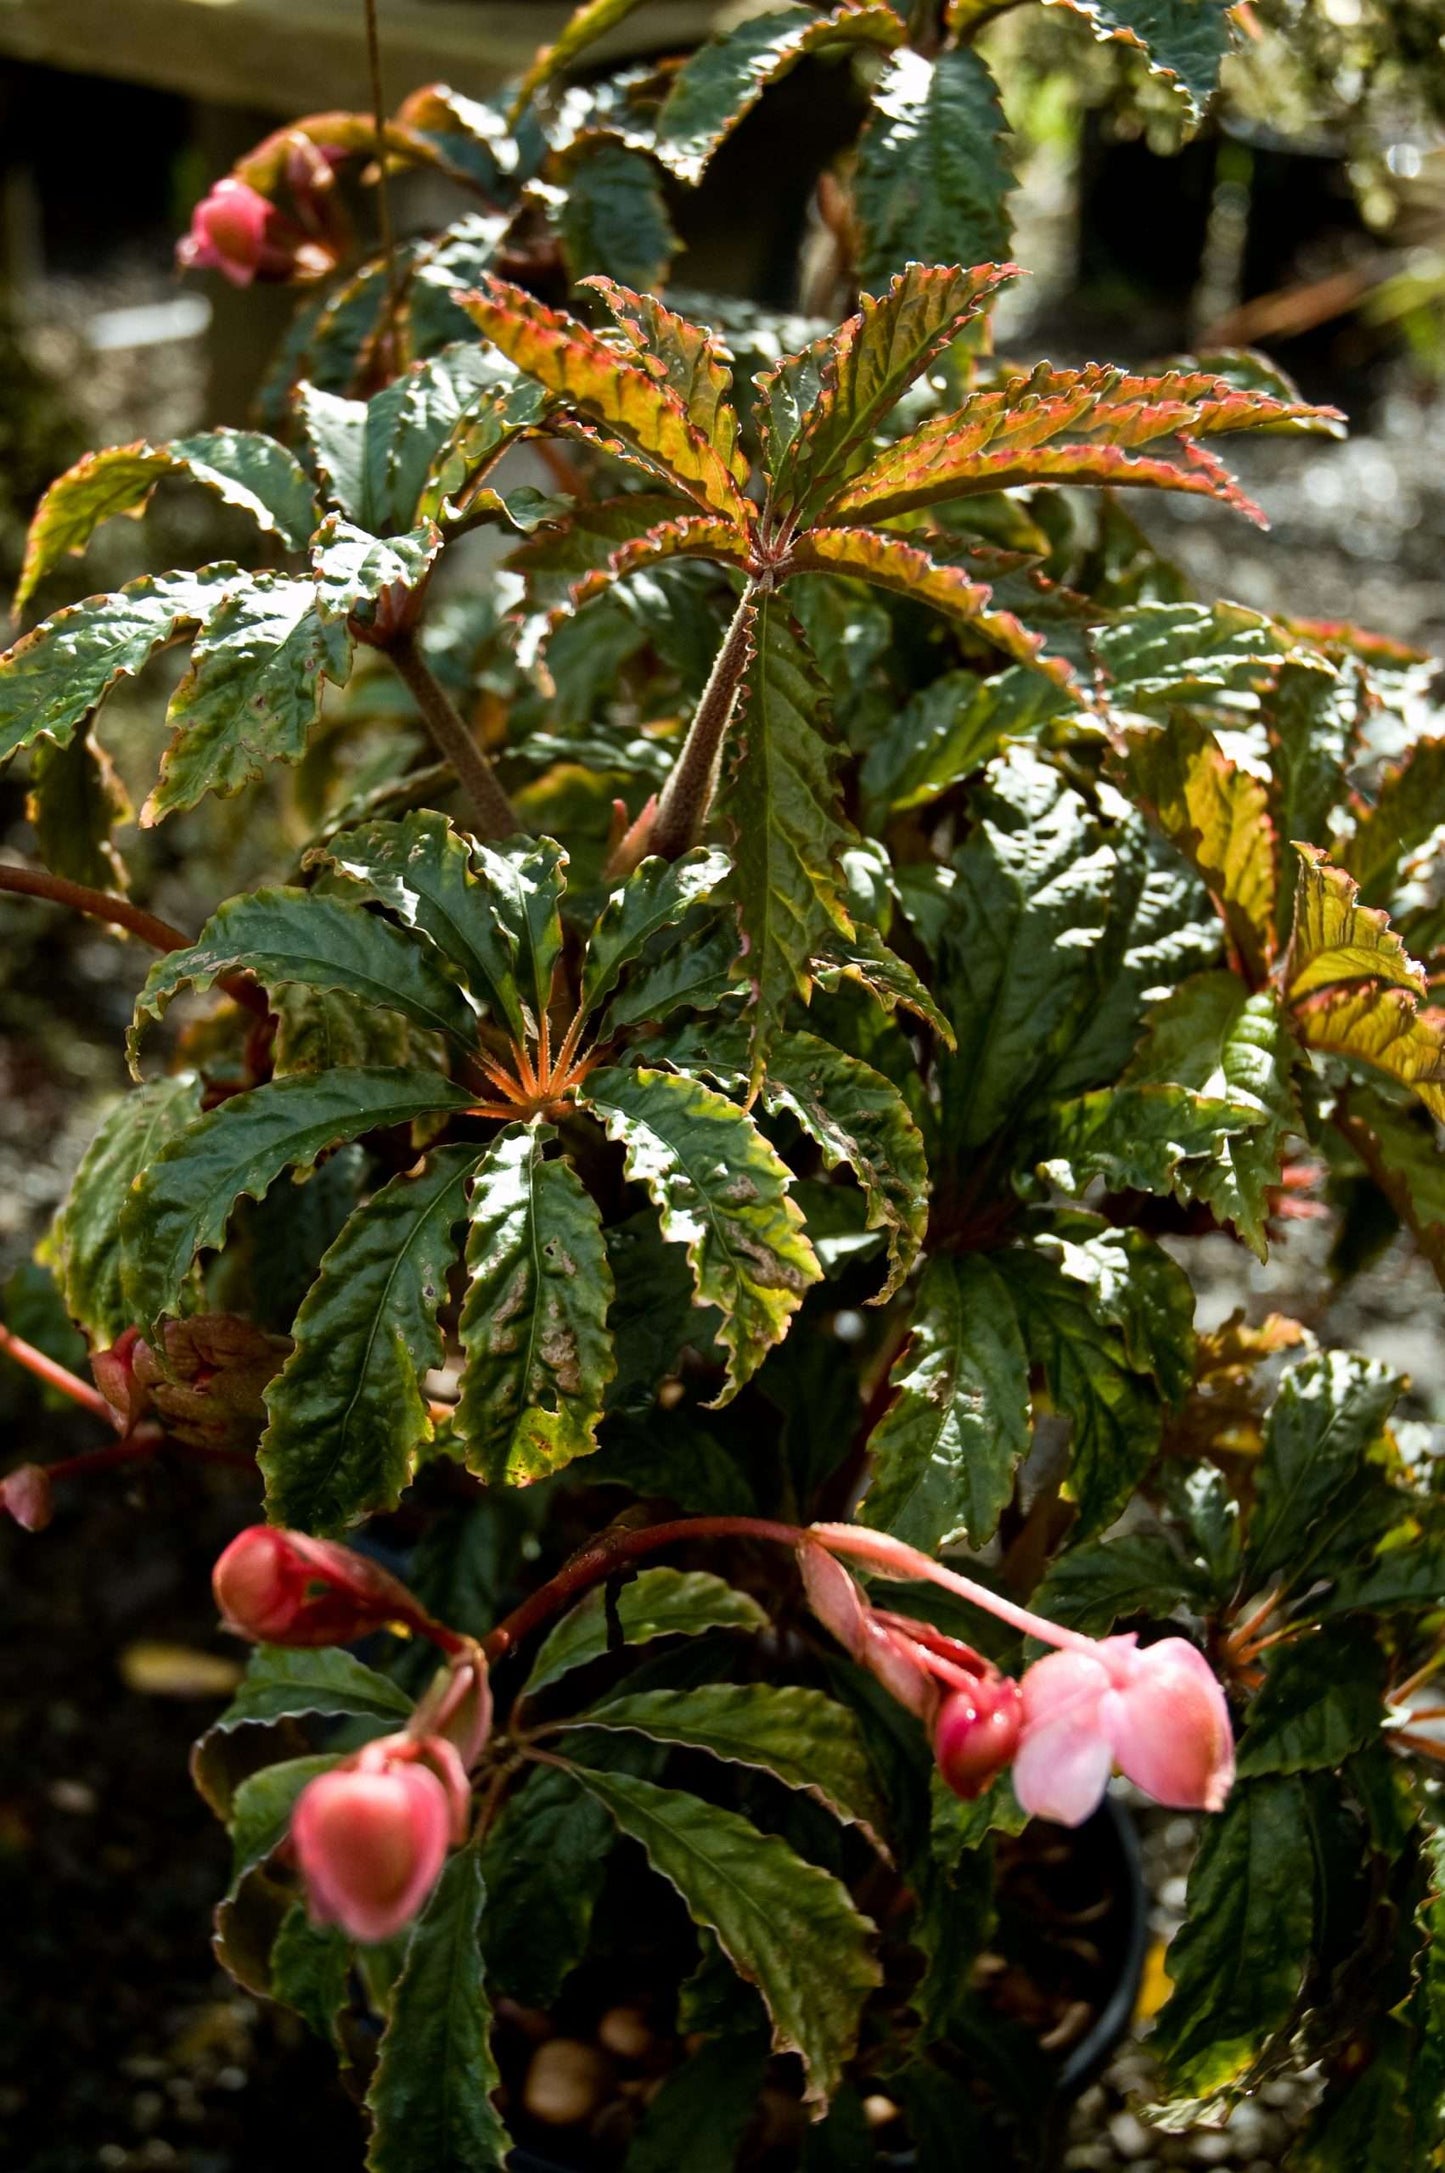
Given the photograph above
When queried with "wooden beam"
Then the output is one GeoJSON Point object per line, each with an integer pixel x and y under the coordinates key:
{"type": "Point", "coordinates": [304, 56]}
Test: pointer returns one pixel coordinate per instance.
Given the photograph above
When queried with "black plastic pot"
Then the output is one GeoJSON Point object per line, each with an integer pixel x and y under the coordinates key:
{"type": "Point", "coordinates": [1110, 1834]}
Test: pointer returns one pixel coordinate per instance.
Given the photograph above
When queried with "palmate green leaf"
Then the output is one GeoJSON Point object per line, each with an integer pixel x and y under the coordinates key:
{"type": "Point", "coordinates": [242, 468]}
{"type": "Point", "coordinates": [56, 677]}
{"type": "Point", "coordinates": [804, 1737]}
{"type": "Point", "coordinates": [430, 2098]}
{"type": "Point", "coordinates": [84, 1244]}
{"type": "Point", "coordinates": [534, 1322]}
{"type": "Point", "coordinates": [613, 217]}
{"type": "Point", "coordinates": [1130, 1283]}
{"type": "Point", "coordinates": [346, 1412]}
{"type": "Point", "coordinates": [1239, 1958]}
{"type": "Point", "coordinates": [544, 1862]}
{"type": "Point", "coordinates": [721, 1191]}
{"type": "Point", "coordinates": [1215, 1039]}
{"type": "Point", "coordinates": [1311, 713]}
{"type": "Point", "coordinates": [289, 937]}
{"type": "Point", "coordinates": [421, 419]}
{"type": "Point", "coordinates": [183, 1198]}
{"type": "Point", "coordinates": [281, 1683]}
{"type": "Point", "coordinates": [786, 1926]}
{"type": "Point", "coordinates": [1323, 1699]}
{"type": "Point", "coordinates": [253, 692]}
{"type": "Point", "coordinates": [1159, 656]}
{"type": "Point", "coordinates": [655, 1603]}
{"type": "Point", "coordinates": [73, 805]}
{"type": "Point", "coordinates": [858, 1118]}
{"type": "Point", "coordinates": [945, 1453]}
{"type": "Point", "coordinates": [335, 432]}
{"type": "Point", "coordinates": [358, 575]}
{"type": "Point", "coordinates": [656, 896]}
{"type": "Point", "coordinates": [1328, 1414]}
{"type": "Point", "coordinates": [780, 811]}
{"type": "Point", "coordinates": [951, 728]}
{"type": "Point", "coordinates": [1182, 40]}
{"type": "Point", "coordinates": [1402, 1153]}
{"type": "Point", "coordinates": [933, 176]}
{"type": "Point", "coordinates": [425, 872]}
{"type": "Point", "coordinates": [721, 83]}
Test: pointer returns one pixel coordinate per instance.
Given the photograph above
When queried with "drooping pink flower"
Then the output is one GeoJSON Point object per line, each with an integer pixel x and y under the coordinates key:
{"type": "Point", "coordinates": [283, 1588]}
{"type": "Point", "coordinates": [241, 234]}
{"type": "Point", "coordinates": [372, 1835]}
{"type": "Point", "coordinates": [1157, 1713]}
{"type": "Point", "coordinates": [976, 1734]}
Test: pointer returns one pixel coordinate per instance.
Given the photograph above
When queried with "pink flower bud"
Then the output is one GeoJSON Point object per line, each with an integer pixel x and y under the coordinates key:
{"type": "Point", "coordinates": [884, 1650]}
{"type": "Point", "coordinates": [281, 1588]}
{"type": "Point", "coordinates": [240, 233]}
{"type": "Point", "coordinates": [976, 1734]}
{"type": "Point", "coordinates": [25, 1494]}
{"type": "Point", "coordinates": [458, 1708]}
{"type": "Point", "coordinates": [1159, 1715]}
{"type": "Point", "coordinates": [117, 1379]}
{"type": "Point", "coordinates": [371, 1839]}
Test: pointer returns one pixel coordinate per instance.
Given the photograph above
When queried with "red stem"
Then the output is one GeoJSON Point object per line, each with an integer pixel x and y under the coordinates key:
{"type": "Point", "coordinates": [596, 1563]}
{"type": "Point", "coordinates": [100, 905]}
{"type": "Point", "coordinates": [55, 1375]}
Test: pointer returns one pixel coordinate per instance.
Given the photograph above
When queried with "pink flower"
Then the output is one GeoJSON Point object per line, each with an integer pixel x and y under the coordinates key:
{"type": "Point", "coordinates": [241, 234]}
{"type": "Point", "coordinates": [25, 1494]}
{"type": "Point", "coordinates": [372, 1835]}
{"type": "Point", "coordinates": [976, 1734]}
{"type": "Point", "coordinates": [1158, 1714]}
{"type": "Point", "coordinates": [281, 1588]}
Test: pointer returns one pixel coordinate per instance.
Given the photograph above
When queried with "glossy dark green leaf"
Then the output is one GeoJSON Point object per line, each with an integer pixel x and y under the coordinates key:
{"type": "Point", "coordinates": [290, 937]}
{"type": "Point", "coordinates": [335, 433]}
{"type": "Point", "coordinates": [253, 692]}
{"type": "Point", "coordinates": [318, 1029]}
{"type": "Point", "coordinates": [719, 84]}
{"type": "Point", "coordinates": [1136, 1136]}
{"type": "Point", "coordinates": [347, 1414]}
{"type": "Point", "coordinates": [858, 1118]}
{"type": "Point", "coordinates": [802, 1736]}
{"type": "Point", "coordinates": [721, 1191]}
{"type": "Point", "coordinates": [261, 1810]}
{"type": "Point", "coordinates": [424, 871]}
{"type": "Point", "coordinates": [534, 1321]}
{"type": "Point", "coordinates": [1157, 656]}
{"type": "Point", "coordinates": [655, 897]}
{"type": "Point", "coordinates": [1105, 1581]}
{"type": "Point", "coordinates": [699, 2116]}
{"type": "Point", "coordinates": [359, 575]}
{"type": "Point", "coordinates": [544, 1862]}
{"type": "Point", "coordinates": [690, 970]}
{"type": "Point", "coordinates": [946, 1450]}
{"type": "Point", "coordinates": [656, 1603]}
{"type": "Point", "coordinates": [57, 676]}
{"type": "Point", "coordinates": [1238, 1960]}
{"type": "Point", "coordinates": [613, 217]}
{"type": "Point", "coordinates": [311, 1972]}
{"type": "Point", "coordinates": [1327, 1415]}
{"type": "Point", "coordinates": [85, 1244]}
{"type": "Point", "coordinates": [416, 424]}
{"type": "Point", "coordinates": [933, 177]}
{"type": "Point", "coordinates": [184, 1197]}
{"type": "Point", "coordinates": [951, 728]}
{"type": "Point", "coordinates": [1182, 40]}
{"type": "Point", "coordinates": [780, 812]}
{"type": "Point", "coordinates": [1130, 1283]}
{"type": "Point", "coordinates": [431, 2095]}
{"type": "Point", "coordinates": [281, 1682]}
{"type": "Point", "coordinates": [242, 468]}
{"type": "Point", "coordinates": [1323, 1698]}
{"type": "Point", "coordinates": [788, 1927]}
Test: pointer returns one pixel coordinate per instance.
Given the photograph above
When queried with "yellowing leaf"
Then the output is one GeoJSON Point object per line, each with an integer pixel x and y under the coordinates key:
{"type": "Point", "coordinates": [689, 357]}
{"type": "Point", "coordinates": [1337, 939]}
{"type": "Point", "coordinates": [1218, 816]}
{"type": "Point", "coordinates": [626, 397]}
{"type": "Point", "coordinates": [693, 536]}
{"type": "Point", "coordinates": [1383, 1027]}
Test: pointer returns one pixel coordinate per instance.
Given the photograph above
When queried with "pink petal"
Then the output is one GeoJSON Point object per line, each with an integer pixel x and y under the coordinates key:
{"type": "Point", "coordinates": [1062, 1770]}
{"type": "Point", "coordinates": [1170, 1728]}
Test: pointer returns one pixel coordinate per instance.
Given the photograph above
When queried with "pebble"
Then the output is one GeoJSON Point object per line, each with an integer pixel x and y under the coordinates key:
{"type": "Point", "coordinates": [566, 2082]}
{"type": "Point", "coordinates": [1130, 2136]}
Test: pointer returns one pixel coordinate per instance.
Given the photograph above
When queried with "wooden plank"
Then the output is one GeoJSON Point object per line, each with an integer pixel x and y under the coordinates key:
{"type": "Point", "coordinates": [305, 56]}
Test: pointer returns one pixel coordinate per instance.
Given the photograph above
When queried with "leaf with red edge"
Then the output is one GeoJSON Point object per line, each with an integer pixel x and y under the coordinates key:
{"type": "Point", "coordinates": [890, 563]}
{"type": "Point", "coordinates": [691, 360]}
{"type": "Point", "coordinates": [820, 409]}
{"type": "Point", "coordinates": [590, 22]}
{"type": "Point", "coordinates": [1184, 41]}
{"type": "Point", "coordinates": [599, 381]}
{"type": "Point", "coordinates": [1218, 816]}
{"type": "Point", "coordinates": [1336, 939]}
{"type": "Point", "coordinates": [1384, 1028]}
{"type": "Point", "coordinates": [720, 84]}
{"type": "Point", "coordinates": [694, 536]}
{"type": "Point", "coordinates": [553, 561]}
{"type": "Point", "coordinates": [1073, 426]}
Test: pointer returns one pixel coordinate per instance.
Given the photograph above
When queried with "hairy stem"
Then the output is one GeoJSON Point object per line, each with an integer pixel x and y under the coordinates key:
{"type": "Point", "coordinates": [687, 795]}
{"type": "Point", "coordinates": [100, 905]}
{"type": "Point", "coordinates": [597, 1562]}
{"type": "Point", "coordinates": [55, 1375]}
{"type": "Point", "coordinates": [493, 812]}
